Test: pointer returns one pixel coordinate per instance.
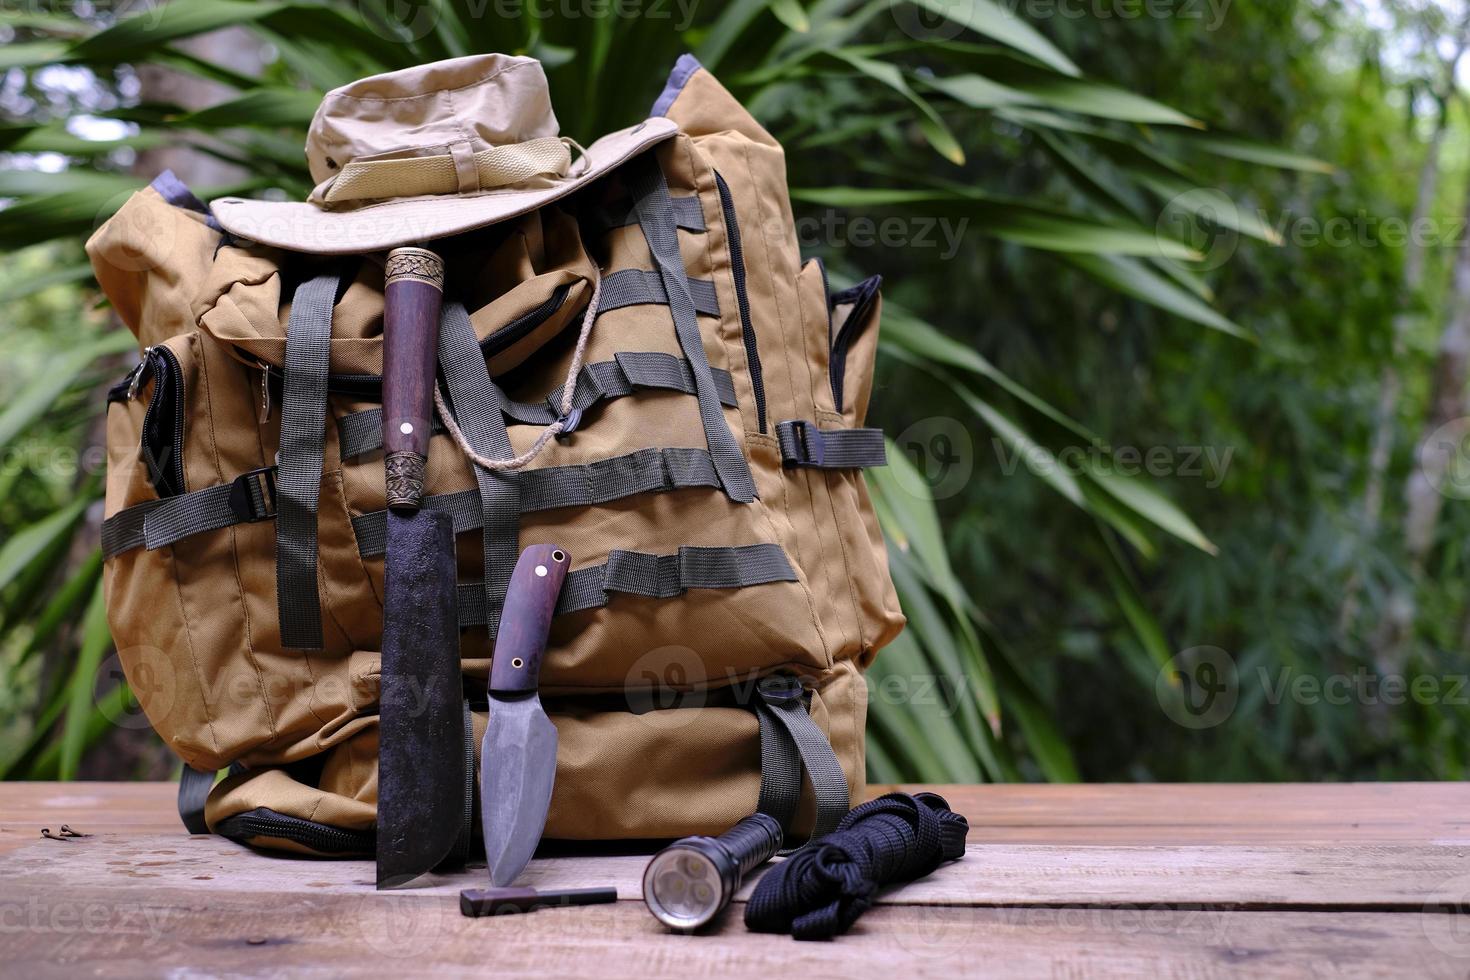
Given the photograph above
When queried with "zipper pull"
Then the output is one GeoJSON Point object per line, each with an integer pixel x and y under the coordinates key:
{"type": "Point", "coordinates": [265, 392]}
{"type": "Point", "coordinates": [136, 381]}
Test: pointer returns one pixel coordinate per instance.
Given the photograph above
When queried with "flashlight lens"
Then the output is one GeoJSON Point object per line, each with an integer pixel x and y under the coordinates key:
{"type": "Point", "coordinates": [681, 887]}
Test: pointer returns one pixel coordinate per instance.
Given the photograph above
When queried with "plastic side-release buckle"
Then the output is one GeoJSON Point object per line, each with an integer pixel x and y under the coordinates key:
{"type": "Point", "coordinates": [253, 495]}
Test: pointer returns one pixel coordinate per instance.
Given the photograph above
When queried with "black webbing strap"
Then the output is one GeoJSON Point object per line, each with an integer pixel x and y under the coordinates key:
{"type": "Point", "coordinates": [653, 576]}
{"type": "Point", "coordinates": [299, 474]}
{"type": "Point", "coordinates": [790, 743]}
{"type": "Point", "coordinates": [804, 444]}
{"type": "Point", "coordinates": [656, 217]}
{"type": "Point", "coordinates": [687, 213]}
{"type": "Point", "coordinates": [156, 524]}
{"type": "Point", "coordinates": [477, 406]}
{"type": "Point", "coordinates": [362, 432]}
{"type": "Point", "coordinates": [645, 471]}
{"type": "Point", "coordinates": [194, 787]}
{"type": "Point", "coordinates": [645, 287]}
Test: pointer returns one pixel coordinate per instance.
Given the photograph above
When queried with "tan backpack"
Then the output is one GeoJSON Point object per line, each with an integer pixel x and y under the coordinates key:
{"type": "Point", "coordinates": [706, 651]}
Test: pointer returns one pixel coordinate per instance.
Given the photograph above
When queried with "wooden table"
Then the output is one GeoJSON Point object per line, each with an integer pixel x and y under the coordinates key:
{"type": "Point", "coordinates": [1059, 881]}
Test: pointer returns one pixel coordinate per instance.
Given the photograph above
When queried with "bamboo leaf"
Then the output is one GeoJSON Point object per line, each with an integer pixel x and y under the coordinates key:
{"type": "Point", "coordinates": [31, 402]}
{"type": "Point", "coordinates": [930, 123]}
{"type": "Point", "coordinates": [1262, 153]}
{"type": "Point", "coordinates": [32, 54]}
{"type": "Point", "coordinates": [96, 639]}
{"type": "Point", "coordinates": [1036, 457]}
{"type": "Point", "coordinates": [1140, 620]}
{"type": "Point", "coordinates": [1149, 503]}
{"type": "Point", "coordinates": [994, 21]}
{"type": "Point", "coordinates": [1013, 221]}
{"type": "Point", "coordinates": [260, 107]}
{"type": "Point", "coordinates": [59, 277]}
{"type": "Point", "coordinates": [1135, 279]}
{"type": "Point", "coordinates": [903, 329]}
{"type": "Point", "coordinates": [790, 13]}
{"type": "Point", "coordinates": [29, 543]}
{"type": "Point", "coordinates": [134, 37]}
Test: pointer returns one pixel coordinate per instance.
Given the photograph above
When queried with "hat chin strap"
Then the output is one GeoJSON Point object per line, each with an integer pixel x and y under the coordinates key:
{"type": "Point", "coordinates": [498, 166]}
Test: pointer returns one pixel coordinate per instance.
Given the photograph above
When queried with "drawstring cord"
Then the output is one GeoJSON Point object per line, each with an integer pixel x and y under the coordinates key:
{"type": "Point", "coordinates": [568, 396]}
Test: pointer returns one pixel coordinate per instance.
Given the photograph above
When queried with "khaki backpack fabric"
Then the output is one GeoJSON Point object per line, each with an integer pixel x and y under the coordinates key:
{"type": "Point", "coordinates": [682, 598]}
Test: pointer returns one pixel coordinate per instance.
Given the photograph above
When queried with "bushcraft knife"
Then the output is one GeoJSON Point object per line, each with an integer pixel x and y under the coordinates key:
{"type": "Point", "coordinates": [423, 779]}
{"type": "Point", "coordinates": [518, 753]}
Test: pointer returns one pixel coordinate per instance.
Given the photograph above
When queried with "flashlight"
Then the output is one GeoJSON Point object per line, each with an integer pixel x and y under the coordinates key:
{"type": "Point", "coordinates": [689, 882]}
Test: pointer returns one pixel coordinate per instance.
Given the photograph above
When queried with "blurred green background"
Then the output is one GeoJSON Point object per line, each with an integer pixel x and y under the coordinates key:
{"type": "Point", "coordinates": [1174, 354]}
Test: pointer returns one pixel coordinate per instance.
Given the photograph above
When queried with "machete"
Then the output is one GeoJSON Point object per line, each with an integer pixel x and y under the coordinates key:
{"type": "Point", "coordinates": [421, 729]}
{"type": "Point", "coordinates": [518, 753]}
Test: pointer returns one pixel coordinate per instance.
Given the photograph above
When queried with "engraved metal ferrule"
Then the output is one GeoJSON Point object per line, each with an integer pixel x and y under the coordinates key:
{"type": "Point", "coordinates": [416, 265]}
{"type": "Point", "coordinates": [404, 473]}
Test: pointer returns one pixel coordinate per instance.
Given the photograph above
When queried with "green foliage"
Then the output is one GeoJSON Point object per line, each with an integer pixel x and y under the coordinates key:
{"type": "Point", "coordinates": [1084, 203]}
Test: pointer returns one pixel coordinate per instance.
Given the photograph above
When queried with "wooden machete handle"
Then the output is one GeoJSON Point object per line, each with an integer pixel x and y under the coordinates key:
{"type": "Point", "coordinates": [413, 294]}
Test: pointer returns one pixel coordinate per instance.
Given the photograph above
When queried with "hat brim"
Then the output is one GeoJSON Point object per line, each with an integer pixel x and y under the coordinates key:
{"type": "Point", "coordinates": [303, 227]}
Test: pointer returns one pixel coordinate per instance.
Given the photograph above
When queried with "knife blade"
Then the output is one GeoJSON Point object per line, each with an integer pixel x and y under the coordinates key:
{"type": "Point", "coordinates": [518, 752]}
{"type": "Point", "coordinates": [421, 733]}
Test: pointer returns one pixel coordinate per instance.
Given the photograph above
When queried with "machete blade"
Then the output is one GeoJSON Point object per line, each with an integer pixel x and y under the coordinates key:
{"type": "Point", "coordinates": [421, 761]}
{"type": "Point", "coordinates": [518, 770]}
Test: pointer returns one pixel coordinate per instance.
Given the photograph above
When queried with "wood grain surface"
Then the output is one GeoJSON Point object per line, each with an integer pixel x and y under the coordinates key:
{"type": "Point", "coordinates": [1059, 881]}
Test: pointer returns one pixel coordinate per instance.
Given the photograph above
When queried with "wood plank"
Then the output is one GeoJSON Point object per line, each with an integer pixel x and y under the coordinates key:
{"type": "Point", "coordinates": [1174, 813]}
{"type": "Point", "coordinates": [81, 929]}
{"type": "Point", "coordinates": [1214, 813]}
{"type": "Point", "coordinates": [1378, 877]}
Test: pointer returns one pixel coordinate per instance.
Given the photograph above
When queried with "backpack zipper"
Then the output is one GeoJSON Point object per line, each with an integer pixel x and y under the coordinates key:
{"type": "Point", "coordinates": [737, 269]}
{"type": "Point", "coordinates": [367, 387]}
{"type": "Point", "coordinates": [166, 475]}
{"type": "Point", "coordinates": [263, 822]}
{"type": "Point", "coordinates": [861, 297]}
{"type": "Point", "coordinates": [527, 322]}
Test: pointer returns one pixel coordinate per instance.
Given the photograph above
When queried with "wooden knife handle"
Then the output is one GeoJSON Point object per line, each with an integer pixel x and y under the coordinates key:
{"type": "Point", "coordinates": [530, 602]}
{"type": "Point", "coordinates": [413, 294]}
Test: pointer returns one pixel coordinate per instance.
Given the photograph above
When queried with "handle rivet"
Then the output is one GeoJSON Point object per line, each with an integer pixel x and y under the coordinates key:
{"type": "Point", "coordinates": [540, 571]}
{"type": "Point", "coordinates": [406, 428]}
{"type": "Point", "coordinates": [518, 663]}
{"type": "Point", "coordinates": [558, 557]}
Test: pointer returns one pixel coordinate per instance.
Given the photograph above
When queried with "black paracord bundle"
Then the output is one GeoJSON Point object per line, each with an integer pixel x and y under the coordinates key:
{"type": "Point", "coordinates": [822, 889]}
